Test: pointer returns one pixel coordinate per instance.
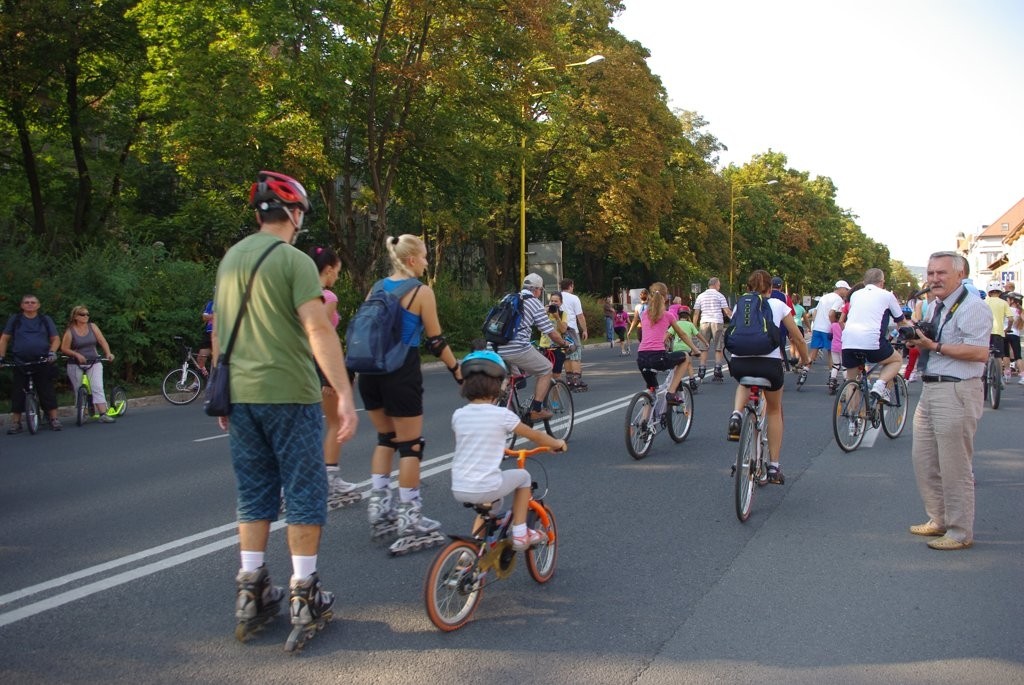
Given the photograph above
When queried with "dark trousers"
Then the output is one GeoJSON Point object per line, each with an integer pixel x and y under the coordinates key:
{"type": "Point", "coordinates": [43, 377]}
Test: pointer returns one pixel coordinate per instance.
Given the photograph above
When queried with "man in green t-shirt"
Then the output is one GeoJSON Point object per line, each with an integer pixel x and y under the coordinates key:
{"type": "Point", "coordinates": [276, 424]}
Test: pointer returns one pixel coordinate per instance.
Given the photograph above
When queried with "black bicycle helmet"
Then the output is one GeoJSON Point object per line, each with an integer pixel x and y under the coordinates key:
{"type": "Point", "coordinates": [484, 361]}
{"type": "Point", "coordinates": [276, 191]}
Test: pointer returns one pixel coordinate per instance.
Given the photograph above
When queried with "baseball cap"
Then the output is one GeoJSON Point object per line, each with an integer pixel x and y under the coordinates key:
{"type": "Point", "coordinates": [533, 281]}
{"type": "Point", "coordinates": [684, 310]}
{"type": "Point", "coordinates": [776, 282]}
{"type": "Point", "coordinates": [842, 284]}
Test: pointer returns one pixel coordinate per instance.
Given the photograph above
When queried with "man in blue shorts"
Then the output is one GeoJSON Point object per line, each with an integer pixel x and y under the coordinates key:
{"type": "Point", "coordinates": [821, 325]}
{"type": "Point", "coordinates": [276, 425]}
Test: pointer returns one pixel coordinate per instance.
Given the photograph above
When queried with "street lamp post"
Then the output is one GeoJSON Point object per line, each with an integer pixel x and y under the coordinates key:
{"type": "Point", "coordinates": [732, 224]}
{"type": "Point", "coordinates": [522, 174]}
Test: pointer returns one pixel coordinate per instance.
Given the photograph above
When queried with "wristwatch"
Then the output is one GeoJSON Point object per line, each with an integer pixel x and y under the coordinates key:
{"type": "Point", "coordinates": [938, 348]}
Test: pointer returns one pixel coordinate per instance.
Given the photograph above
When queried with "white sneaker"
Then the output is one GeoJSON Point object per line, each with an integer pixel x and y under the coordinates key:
{"type": "Point", "coordinates": [881, 393]}
{"type": "Point", "coordinates": [1021, 381]}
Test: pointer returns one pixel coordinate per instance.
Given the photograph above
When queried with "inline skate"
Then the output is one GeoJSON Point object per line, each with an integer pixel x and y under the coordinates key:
{"type": "Point", "coordinates": [341, 493]}
{"type": "Point", "coordinates": [257, 602]}
{"type": "Point", "coordinates": [718, 377]}
{"type": "Point", "coordinates": [311, 609]}
{"type": "Point", "coordinates": [381, 514]}
{"type": "Point", "coordinates": [415, 531]}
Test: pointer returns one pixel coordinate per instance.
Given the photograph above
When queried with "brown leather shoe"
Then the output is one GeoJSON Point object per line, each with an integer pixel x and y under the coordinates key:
{"type": "Point", "coordinates": [947, 543]}
{"type": "Point", "coordinates": [928, 529]}
{"type": "Point", "coordinates": [541, 415]}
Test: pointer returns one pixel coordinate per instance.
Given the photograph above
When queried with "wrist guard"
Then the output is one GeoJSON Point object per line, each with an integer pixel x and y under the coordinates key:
{"type": "Point", "coordinates": [436, 345]}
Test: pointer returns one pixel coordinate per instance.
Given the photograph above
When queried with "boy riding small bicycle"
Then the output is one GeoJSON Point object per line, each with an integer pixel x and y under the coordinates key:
{"type": "Point", "coordinates": [480, 430]}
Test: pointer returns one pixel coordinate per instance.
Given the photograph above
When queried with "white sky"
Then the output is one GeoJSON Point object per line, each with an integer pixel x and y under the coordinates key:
{"type": "Point", "coordinates": [914, 108]}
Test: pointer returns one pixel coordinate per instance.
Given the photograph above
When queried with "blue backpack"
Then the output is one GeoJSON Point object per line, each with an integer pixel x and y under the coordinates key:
{"type": "Point", "coordinates": [502, 322]}
{"type": "Point", "coordinates": [373, 338]}
{"type": "Point", "coordinates": [752, 330]}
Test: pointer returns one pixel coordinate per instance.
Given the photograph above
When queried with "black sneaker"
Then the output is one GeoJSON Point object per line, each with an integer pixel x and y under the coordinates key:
{"type": "Point", "coordinates": [734, 426]}
{"type": "Point", "coordinates": [775, 475]}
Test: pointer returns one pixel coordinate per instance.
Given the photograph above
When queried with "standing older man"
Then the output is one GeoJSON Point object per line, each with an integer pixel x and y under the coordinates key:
{"type": "Point", "coordinates": [709, 312]}
{"type": "Point", "coordinates": [951, 404]}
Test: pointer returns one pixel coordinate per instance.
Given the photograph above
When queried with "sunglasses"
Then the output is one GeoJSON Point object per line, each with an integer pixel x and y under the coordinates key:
{"type": "Point", "coordinates": [82, 314]}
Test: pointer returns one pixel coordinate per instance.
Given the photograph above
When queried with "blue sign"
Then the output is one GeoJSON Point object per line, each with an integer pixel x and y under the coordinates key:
{"type": "Point", "coordinates": [1008, 276]}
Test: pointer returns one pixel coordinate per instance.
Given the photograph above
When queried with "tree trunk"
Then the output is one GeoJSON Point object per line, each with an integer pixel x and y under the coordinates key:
{"type": "Point", "coordinates": [83, 193]}
{"type": "Point", "coordinates": [28, 162]}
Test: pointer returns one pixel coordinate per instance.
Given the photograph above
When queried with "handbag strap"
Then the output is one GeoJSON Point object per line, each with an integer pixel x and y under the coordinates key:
{"type": "Point", "coordinates": [245, 303]}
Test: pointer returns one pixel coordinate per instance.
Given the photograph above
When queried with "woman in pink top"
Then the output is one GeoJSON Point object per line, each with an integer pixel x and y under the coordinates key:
{"type": "Point", "coordinates": [651, 355]}
{"type": "Point", "coordinates": [339, 492]}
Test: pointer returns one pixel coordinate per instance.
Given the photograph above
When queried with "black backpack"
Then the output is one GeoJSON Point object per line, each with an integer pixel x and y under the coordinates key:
{"type": "Point", "coordinates": [752, 330]}
{"type": "Point", "coordinates": [502, 322]}
{"type": "Point", "coordinates": [373, 338]}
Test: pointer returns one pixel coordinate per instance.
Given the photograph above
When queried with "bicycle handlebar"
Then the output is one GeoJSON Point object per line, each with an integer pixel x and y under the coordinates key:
{"type": "Point", "coordinates": [521, 455]}
{"type": "Point", "coordinates": [4, 363]}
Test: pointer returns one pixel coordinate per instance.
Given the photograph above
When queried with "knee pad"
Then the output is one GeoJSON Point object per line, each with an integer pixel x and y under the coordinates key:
{"type": "Point", "coordinates": [386, 440]}
{"type": "Point", "coordinates": [405, 448]}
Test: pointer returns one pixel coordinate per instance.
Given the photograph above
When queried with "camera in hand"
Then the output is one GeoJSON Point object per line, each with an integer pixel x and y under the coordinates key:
{"type": "Point", "coordinates": [908, 333]}
{"type": "Point", "coordinates": [553, 308]}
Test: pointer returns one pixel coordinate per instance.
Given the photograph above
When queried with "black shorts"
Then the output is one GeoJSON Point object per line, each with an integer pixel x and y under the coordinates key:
{"type": "Point", "coordinates": [657, 360]}
{"type": "Point", "coordinates": [995, 343]}
{"type": "Point", "coordinates": [1013, 346]}
{"type": "Point", "coordinates": [620, 331]}
{"type": "Point", "coordinates": [854, 358]}
{"type": "Point", "coordinates": [400, 393]}
{"type": "Point", "coordinates": [207, 341]}
{"type": "Point", "coordinates": [769, 368]}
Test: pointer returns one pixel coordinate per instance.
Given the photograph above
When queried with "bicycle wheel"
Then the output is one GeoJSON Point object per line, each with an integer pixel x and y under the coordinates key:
{"type": "Point", "coordinates": [894, 416]}
{"type": "Point", "coordinates": [559, 400]}
{"type": "Point", "coordinates": [118, 402]}
{"type": "Point", "coordinates": [746, 454]}
{"type": "Point", "coordinates": [31, 412]}
{"type": "Point", "coordinates": [81, 405]}
{"type": "Point", "coordinates": [638, 432]}
{"type": "Point", "coordinates": [680, 416]}
{"type": "Point", "coordinates": [452, 590]}
{"type": "Point", "coordinates": [540, 560]}
{"type": "Point", "coordinates": [849, 418]}
{"type": "Point", "coordinates": [181, 386]}
{"type": "Point", "coordinates": [995, 382]}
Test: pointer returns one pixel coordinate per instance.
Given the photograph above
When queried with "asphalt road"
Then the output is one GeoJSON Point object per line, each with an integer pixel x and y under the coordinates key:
{"type": "Point", "coordinates": [118, 553]}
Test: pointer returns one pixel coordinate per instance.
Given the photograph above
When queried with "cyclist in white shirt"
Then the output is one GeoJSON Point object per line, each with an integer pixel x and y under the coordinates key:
{"type": "Point", "coordinates": [865, 336]}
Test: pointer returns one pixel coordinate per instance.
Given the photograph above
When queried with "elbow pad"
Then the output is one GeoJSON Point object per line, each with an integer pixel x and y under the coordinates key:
{"type": "Point", "coordinates": [436, 345]}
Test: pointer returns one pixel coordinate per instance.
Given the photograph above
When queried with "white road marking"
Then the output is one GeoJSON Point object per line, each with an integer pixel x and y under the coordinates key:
{"type": "Point", "coordinates": [432, 466]}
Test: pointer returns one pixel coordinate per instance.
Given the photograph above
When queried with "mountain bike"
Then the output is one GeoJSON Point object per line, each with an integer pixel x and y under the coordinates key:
{"type": "Point", "coordinates": [752, 457]}
{"type": "Point", "coordinates": [992, 379]}
{"type": "Point", "coordinates": [649, 413]}
{"type": "Point", "coordinates": [84, 407]}
{"type": "Point", "coordinates": [33, 412]}
{"type": "Point", "coordinates": [183, 384]}
{"type": "Point", "coordinates": [558, 400]}
{"type": "Point", "coordinates": [856, 409]}
{"type": "Point", "coordinates": [458, 575]}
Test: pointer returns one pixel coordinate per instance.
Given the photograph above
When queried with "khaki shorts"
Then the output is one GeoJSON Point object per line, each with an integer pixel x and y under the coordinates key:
{"type": "Point", "coordinates": [714, 333]}
{"type": "Point", "coordinates": [530, 361]}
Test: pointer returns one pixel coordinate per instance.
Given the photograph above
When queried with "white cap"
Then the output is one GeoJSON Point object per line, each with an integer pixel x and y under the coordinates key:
{"type": "Point", "coordinates": [533, 281]}
{"type": "Point", "coordinates": [994, 285]}
{"type": "Point", "coordinates": [842, 284]}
